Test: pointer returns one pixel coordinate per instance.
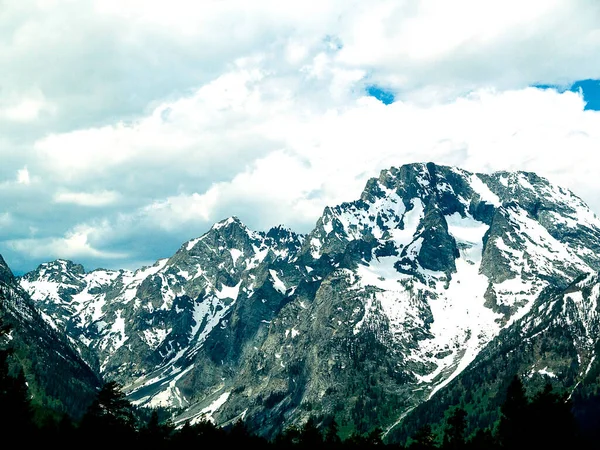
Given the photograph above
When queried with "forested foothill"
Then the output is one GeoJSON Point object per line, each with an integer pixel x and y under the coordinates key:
{"type": "Point", "coordinates": [542, 420]}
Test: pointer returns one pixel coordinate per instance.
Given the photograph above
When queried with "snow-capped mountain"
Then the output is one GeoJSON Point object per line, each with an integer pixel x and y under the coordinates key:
{"type": "Point", "coordinates": [385, 303]}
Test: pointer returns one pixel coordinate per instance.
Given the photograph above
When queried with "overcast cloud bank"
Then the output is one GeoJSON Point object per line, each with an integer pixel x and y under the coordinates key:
{"type": "Point", "coordinates": [129, 127]}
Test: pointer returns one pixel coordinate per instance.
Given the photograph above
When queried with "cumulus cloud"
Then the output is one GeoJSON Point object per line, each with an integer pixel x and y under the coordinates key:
{"type": "Point", "coordinates": [23, 176]}
{"type": "Point", "coordinates": [435, 50]}
{"type": "Point", "coordinates": [102, 198]}
{"type": "Point", "coordinates": [131, 126]}
{"type": "Point", "coordinates": [74, 244]}
{"type": "Point", "coordinates": [274, 190]}
{"type": "Point", "coordinates": [25, 109]}
{"type": "Point", "coordinates": [216, 122]}
{"type": "Point", "coordinates": [327, 157]}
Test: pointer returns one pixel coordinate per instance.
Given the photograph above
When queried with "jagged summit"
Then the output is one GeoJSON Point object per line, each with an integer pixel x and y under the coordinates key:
{"type": "Point", "coordinates": [6, 275]}
{"type": "Point", "coordinates": [59, 268]}
{"type": "Point", "coordinates": [387, 301]}
{"type": "Point", "coordinates": [232, 220]}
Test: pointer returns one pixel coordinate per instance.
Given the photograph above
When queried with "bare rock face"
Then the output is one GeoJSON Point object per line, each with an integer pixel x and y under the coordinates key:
{"type": "Point", "coordinates": [389, 300]}
{"type": "Point", "coordinates": [6, 275]}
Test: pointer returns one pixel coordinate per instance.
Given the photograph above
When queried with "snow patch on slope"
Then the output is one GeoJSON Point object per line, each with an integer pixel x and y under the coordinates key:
{"type": "Point", "coordinates": [169, 397]}
{"type": "Point", "coordinates": [231, 292]}
{"type": "Point", "coordinates": [206, 413]}
{"type": "Point", "coordinates": [461, 325]}
{"type": "Point", "coordinates": [42, 290]}
{"type": "Point", "coordinates": [278, 285]}
{"type": "Point", "coordinates": [235, 254]}
{"type": "Point", "coordinates": [484, 191]}
{"type": "Point", "coordinates": [132, 281]}
{"type": "Point", "coordinates": [388, 209]}
{"type": "Point", "coordinates": [315, 248]}
{"type": "Point", "coordinates": [155, 336]}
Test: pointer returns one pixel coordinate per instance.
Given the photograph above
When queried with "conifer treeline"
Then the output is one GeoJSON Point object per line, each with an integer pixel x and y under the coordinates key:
{"type": "Point", "coordinates": [544, 420]}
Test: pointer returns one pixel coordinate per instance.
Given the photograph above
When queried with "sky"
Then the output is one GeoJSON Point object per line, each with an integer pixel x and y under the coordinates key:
{"type": "Point", "coordinates": [128, 127]}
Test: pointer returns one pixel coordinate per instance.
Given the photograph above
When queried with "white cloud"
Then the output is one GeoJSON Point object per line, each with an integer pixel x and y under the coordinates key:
{"type": "Point", "coordinates": [167, 117]}
{"type": "Point", "coordinates": [323, 156]}
{"type": "Point", "coordinates": [174, 212]}
{"type": "Point", "coordinates": [26, 110]}
{"type": "Point", "coordinates": [101, 198]}
{"type": "Point", "coordinates": [275, 189]}
{"type": "Point", "coordinates": [73, 245]}
{"type": "Point", "coordinates": [101, 61]}
{"type": "Point", "coordinates": [23, 176]}
{"type": "Point", "coordinates": [327, 156]}
{"type": "Point", "coordinates": [216, 122]}
{"type": "Point", "coordinates": [432, 51]}
{"type": "Point", "coordinates": [428, 31]}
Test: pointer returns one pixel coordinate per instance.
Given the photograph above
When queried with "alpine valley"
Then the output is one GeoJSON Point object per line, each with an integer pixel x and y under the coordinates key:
{"type": "Point", "coordinates": [433, 289]}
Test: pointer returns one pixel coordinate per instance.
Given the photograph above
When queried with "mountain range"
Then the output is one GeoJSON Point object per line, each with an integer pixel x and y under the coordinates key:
{"type": "Point", "coordinates": [432, 289]}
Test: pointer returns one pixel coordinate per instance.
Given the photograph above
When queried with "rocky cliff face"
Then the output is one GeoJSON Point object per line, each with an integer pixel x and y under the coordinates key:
{"type": "Point", "coordinates": [385, 303]}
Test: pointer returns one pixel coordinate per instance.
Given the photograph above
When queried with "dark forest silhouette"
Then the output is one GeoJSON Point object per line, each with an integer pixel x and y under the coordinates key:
{"type": "Point", "coordinates": [544, 420]}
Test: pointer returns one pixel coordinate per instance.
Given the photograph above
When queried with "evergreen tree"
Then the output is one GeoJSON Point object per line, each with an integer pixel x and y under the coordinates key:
{"type": "Point", "coordinates": [551, 420]}
{"type": "Point", "coordinates": [586, 410]}
{"type": "Point", "coordinates": [16, 413]}
{"type": "Point", "coordinates": [288, 438]}
{"type": "Point", "coordinates": [110, 416]}
{"type": "Point", "coordinates": [310, 436]}
{"type": "Point", "coordinates": [239, 432]}
{"type": "Point", "coordinates": [66, 432]}
{"type": "Point", "coordinates": [513, 425]}
{"type": "Point", "coordinates": [186, 437]}
{"type": "Point", "coordinates": [482, 440]}
{"type": "Point", "coordinates": [356, 441]}
{"type": "Point", "coordinates": [155, 434]}
{"type": "Point", "coordinates": [454, 432]}
{"type": "Point", "coordinates": [208, 433]}
{"type": "Point", "coordinates": [332, 438]}
{"type": "Point", "coordinates": [424, 439]}
{"type": "Point", "coordinates": [374, 438]}
{"type": "Point", "coordinates": [239, 436]}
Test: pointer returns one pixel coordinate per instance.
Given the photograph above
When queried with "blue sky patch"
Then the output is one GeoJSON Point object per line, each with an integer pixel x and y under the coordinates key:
{"type": "Point", "coordinates": [384, 96]}
{"type": "Point", "coordinates": [590, 89]}
{"type": "Point", "coordinates": [333, 42]}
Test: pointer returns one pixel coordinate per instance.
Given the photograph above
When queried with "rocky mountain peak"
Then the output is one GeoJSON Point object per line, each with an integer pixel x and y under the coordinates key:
{"type": "Point", "coordinates": [59, 270]}
{"type": "Point", "coordinates": [6, 275]}
{"type": "Point", "coordinates": [230, 223]}
{"type": "Point", "coordinates": [230, 232]}
{"type": "Point", "coordinates": [282, 233]}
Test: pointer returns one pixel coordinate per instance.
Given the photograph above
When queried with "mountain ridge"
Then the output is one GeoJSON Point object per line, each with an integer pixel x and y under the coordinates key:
{"type": "Point", "coordinates": [364, 318]}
